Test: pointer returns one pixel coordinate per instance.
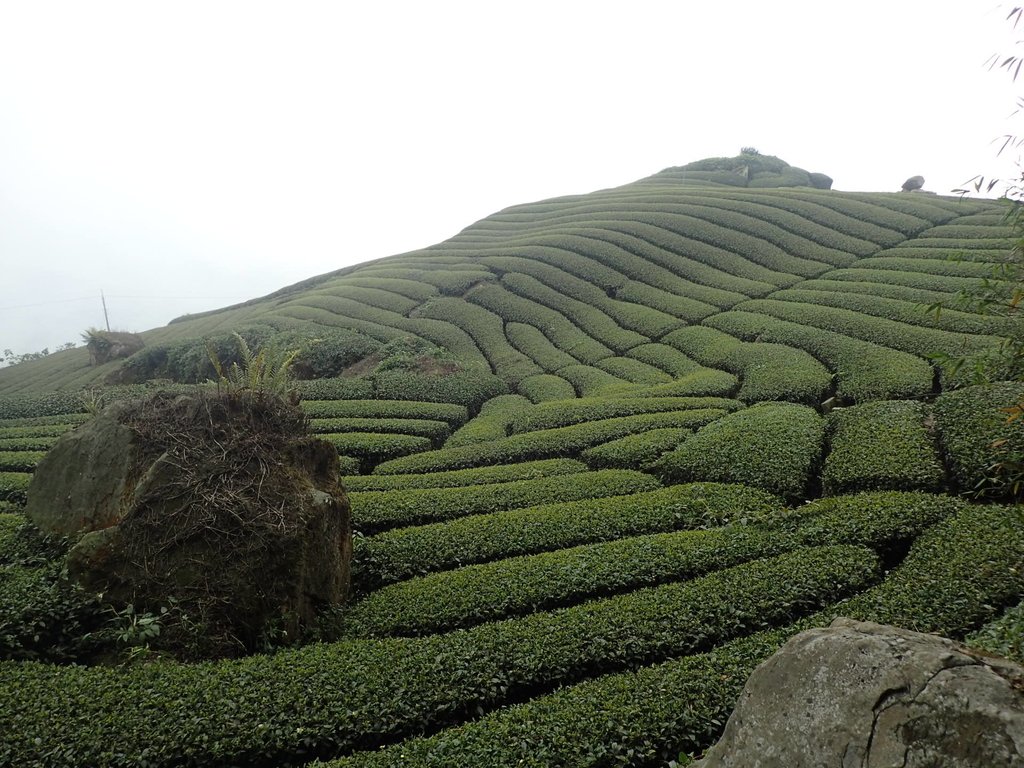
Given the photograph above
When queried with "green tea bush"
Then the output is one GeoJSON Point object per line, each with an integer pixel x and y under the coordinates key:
{"type": "Point", "coordinates": [346, 388]}
{"type": "Point", "coordinates": [20, 461]}
{"type": "Point", "coordinates": [500, 473]}
{"type": "Point", "coordinates": [768, 371]}
{"type": "Point", "coordinates": [1003, 636]}
{"type": "Point", "coordinates": [61, 421]}
{"type": "Point", "coordinates": [774, 446]}
{"type": "Point", "coordinates": [470, 386]}
{"type": "Point", "coordinates": [400, 554]}
{"type": "Point", "coordinates": [49, 404]}
{"type": "Point", "coordinates": [707, 382]}
{"type": "Point", "coordinates": [533, 343]}
{"type": "Point", "coordinates": [41, 431]}
{"type": "Point", "coordinates": [881, 446]}
{"type": "Point", "coordinates": [385, 409]}
{"type": "Point", "coordinates": [546, 386]}
{"type": "Point", "coordinates": [635, 451]}
{"type": "Point", "coordinates": [492, 422]}
{"type": "Point", "coordinates": [546, 443]}
{"type": "Point", "coordinates": [687, 309]}
{"type": "Point", "coordinates": [893, 260]}
{"type": "Point", "coordinates": [634, 371]}
{"type": "Point", "coordinates": [567, 412]}
{"type": "Point", "coordinates": [325, 699]}
{"type": "Point", "coordinates": [668, 359]}
{"type": "Point", "coordinates": [864, 371]}
{"type": "Point", "coordinates": [437, 431]}
{"type": "Point", "coordinates": [14, 486]}
{"type": "Point", "coordinates": [890, 277]}
{"type": "Point", "coordinates": [349, 465]}
{"type": "Point", "coordinates": [373, 511]}
{"type": "Point", "coordinates": [589, 381]}
{"type": "Point", "coordinates": [517, 586]}
{"type": "Point", "coordinates": [373, 447]}
{"type": "Point", "coordinates": [26, 443]}
{"type": "Point", "coordinates": [969, 422]}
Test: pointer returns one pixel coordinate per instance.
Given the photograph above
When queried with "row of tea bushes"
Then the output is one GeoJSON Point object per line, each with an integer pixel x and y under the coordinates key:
{"type": "Point", "coordinates": [546, 386]}
{"type": "Point", "coordinates": [577, 411]}
{"type": "Point", "coordinates": [879, 446]}
{"type": "Point", "coordinates": [545, 443]}
{"type": "Point", "coordinates": [498, 473]}
{"type": "Point", "coordinates": [373, 511]}
{"type": "Point", "coordinates": [492, 422]}
{"type": "Point", "coordinates": [774, 446]}
{"type": "Point", "coordinates": [654, 714]}
{"type": "Point", "coordinates": [635, 451]}
{"type": "Point", "coordinates": [20, 461]}
{"type": "Point", "coordinates": [400, 554]}
{"type": "Point", "coordinates": [385, 409]}
{"type": "Point", "coordinates": [436, 431]}
{"type": "Point", "coordinates": [325, 699]}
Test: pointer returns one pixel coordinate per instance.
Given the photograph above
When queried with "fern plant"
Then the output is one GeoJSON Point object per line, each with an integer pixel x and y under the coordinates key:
{"type": "Point", "coordinates": [266, 370]}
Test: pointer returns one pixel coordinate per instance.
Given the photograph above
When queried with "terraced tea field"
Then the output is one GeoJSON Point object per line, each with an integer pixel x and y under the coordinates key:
{"type": "Point", "coordinates": [600, 488]}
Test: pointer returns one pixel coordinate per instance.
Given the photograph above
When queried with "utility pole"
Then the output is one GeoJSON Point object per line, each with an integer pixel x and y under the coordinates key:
{"type": "Point", "coordinates": [105, 318]}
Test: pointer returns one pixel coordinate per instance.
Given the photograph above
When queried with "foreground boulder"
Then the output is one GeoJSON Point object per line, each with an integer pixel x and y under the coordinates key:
{"type": "Point", "coordinates": [218, 505]}
{"type": "Point", "coordinates": [859, 694]}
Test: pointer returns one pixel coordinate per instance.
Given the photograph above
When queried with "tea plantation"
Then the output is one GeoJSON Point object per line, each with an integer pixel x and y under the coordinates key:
{"type": "Point", "coordinates": [605, 454]}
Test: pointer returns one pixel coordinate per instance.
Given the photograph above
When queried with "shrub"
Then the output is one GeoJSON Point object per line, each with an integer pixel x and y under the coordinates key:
{"type": "Point", "coordinates": [20, 461]}
{"type": "Point", "coordinates": [545, 443]}
{"type": "Point", "coordinates": [667, 358]}
{"type": "Point", "coordinates": [706, 382]}
{"type": "Point", "coordinates": [567, 412]}
{"type": "Point", "coordinates": [1003, 636]}
{"type": "Point", "coordinates": [49, 404]}
{"type": "Point", "coordinates": [469, 386]}
{"type": "Point", "coordinates": [969, 423]}
{"type": "Point", "coordinates": [775, 446]}
{"type": "Point", "coordinates": [500, 473]}
{"type": "Point", "coordinates": [376, 510]}
{"type": "Point", "coordinates": [589, 381]}
{"type": "Point", "coordinates": [26, 443]}
{"type": "Point", "coordinates": [634, 370]}
{"type": "Point", "coordinates": [373, 447]}
{"type": "Point", "coordinates": [14, 486]}
{"type": "Point", "coordinates": [520, 585]}
{"type": "Point", "coordinates": [881, 446]}
{"type": "Point", "coordinates": [437, 431]}
{"type": "Point", "coordinates": [351, 694]}
{"type": "Point", "coordinates": [533, 343]}
{"type": "Point", "coordinates": [348, 388]}
{"type": "Point", "coordinates": [492, 422]}
{"type": "Point", "coordinates": [385, 409]}
{"type": "Point", "coordinates": [635, 451]}
{"type": "Point", "coordinates": [407, 552]}
{"type": "Point", "coordinates": [545, 386]}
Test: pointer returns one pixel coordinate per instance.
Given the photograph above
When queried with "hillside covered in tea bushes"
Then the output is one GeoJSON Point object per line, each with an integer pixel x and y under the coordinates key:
{"type": "Point", "coordinates": [605, 454]}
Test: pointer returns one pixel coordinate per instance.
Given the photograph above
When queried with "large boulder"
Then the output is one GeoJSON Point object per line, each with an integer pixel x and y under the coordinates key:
{"type": "Point", "coordinates": [218, 504]}
{"type": "Point", "coordinates": [859, 694]}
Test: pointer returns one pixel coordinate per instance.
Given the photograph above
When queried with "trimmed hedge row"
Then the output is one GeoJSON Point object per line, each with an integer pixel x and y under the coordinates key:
{"type": "Point", "coordinates": [47, 430]}
{"type": "Point", "coordinates": [470, 387]}
{"type": "Point", "coordinates": [14, 486]}
{"type": "Point", "coordinates": [385, 409]}
{"type": "Point", "coordinates": [400, 554]}
{"type": "Point", "coordinates": [373, 447]}
{"type": "Point", "coordinates": [499, 473]}
{"type": "Point", "coordinates": [517, 586]}
{"type": "Point", "coordinates": [918, 280]}
{"type": "Point", "coordinates": [634, 371]}
{"type": "Point", "coordinates": [589, 381]}
{"type": "Point", "coordinates": [969, 422]}
{"type": "Point", "coordinates": [1002, 636]}
{"type": "Point", "coordinates": [492, 422]}
{"type": "Point", "coordinates": [567, 412]}
{"type": "Point", "coordinates": [373, 511]}
{"type": "Point", "coordinates": [323, 699]}
{"type": "Point", "coordinates": [20, 461]}
{"type": "Point", "coordinates": [347, 388]}
{"type": "Point", "coordinates": [768, 371]}
{"type": "Point", "coordinates": [864, 371]}
{"type": "Point", "coordinates": [545, 443]}
{"type": "Point", "coordinates": [635, 451]}
{"type": "Point", "coordinates": [687, 309]}
{"type": "Point", "coordinates": [437, 431]}
{"type": "Point", "coordinates": [881, 446]}
{"type": "Point", "coordinates": [774, 446]}
{"type": "Point", "coordinates": [707, 382]}
{"type": "Point", "coordinates": [27, 443]}
{"type": "Point", "coordinates": [46, 421]}
{"type": "Point", "coordinates": [49, 404]}
{"type": "Point", "coordinates": [534, 344]}
{"type": "Point", "coordinates": [892, 260]}
{"type": "Point", "coordinates": [545, 387]}
{"type": "Point", "coordinates": [669, 359]}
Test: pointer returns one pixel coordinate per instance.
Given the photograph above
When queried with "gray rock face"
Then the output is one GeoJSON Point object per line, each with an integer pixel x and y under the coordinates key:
{"type": "Point", "coordinates": [913, 184]}
{"type": "Point", "coordinates": [220, 504]}
{"type": "Point", "coordinates": [863, 695]}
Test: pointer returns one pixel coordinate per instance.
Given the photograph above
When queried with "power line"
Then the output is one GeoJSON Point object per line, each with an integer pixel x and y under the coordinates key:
{"type": "Point", "coordinates": [147, 298]}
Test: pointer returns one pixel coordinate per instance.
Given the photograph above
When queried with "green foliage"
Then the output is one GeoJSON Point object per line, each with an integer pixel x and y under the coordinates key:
{"type": "Point", "coordinates": [48, 404]}
{"type": "Point", "coordinates": [350, 694]}
{"type": "Point", "coordinates": [546, 443]}
{"type": "Point", "coordinates": [768, 371]}
{"type": "Point", "coordinates": [1003, 636]}
{"type": "Point", "coordinates": [634, 370]}
{"type": "Point", "coordinates": [863, 370]}
{"type": "Point", "coordinates": [373, 447]}
{"type": "Point", "coordinates": [20, 461]}
{"type": "Point", "coordinates": [385, 409]}
{"type": "Point", "coordinates": [437, 431]}
{"type": "Point", "coordinates": [501, 473]}
{"type": "Point", "coordinates": [881, 446]}
{"type": "Point", "coordinates": [635, 451]}
{"type": "Point", "coordinates": [545, 386]}
{"type": "Point", "coordinates": [266, 370]}
{"type": "Point", "coordinates": [520, 585]}
{"type": "Point", "coordinates": [470, 386]}
{"type": "Point", "coordinates": [373, 511]}
{"type": "Point", "coordinates": [589, 381]}
{"type": "Point", "coordinates": [984, 450]}
{"type": "Point", "coordinates": [566, 412]}
{"type": "Point", "coordinates": [400, 554]}
{"type": "Point", "coordinates": [492, 422]}
{"type": "Point", "coordinates": [14, 486]}
{"type": "Point", "coordinates": [775, 446]}
{"type": "Point", "coordinates": [347, 388]}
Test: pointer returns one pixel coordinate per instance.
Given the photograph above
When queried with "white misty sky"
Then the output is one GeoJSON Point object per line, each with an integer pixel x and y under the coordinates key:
{"type": "Point", "coordinates": [184, 156]}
